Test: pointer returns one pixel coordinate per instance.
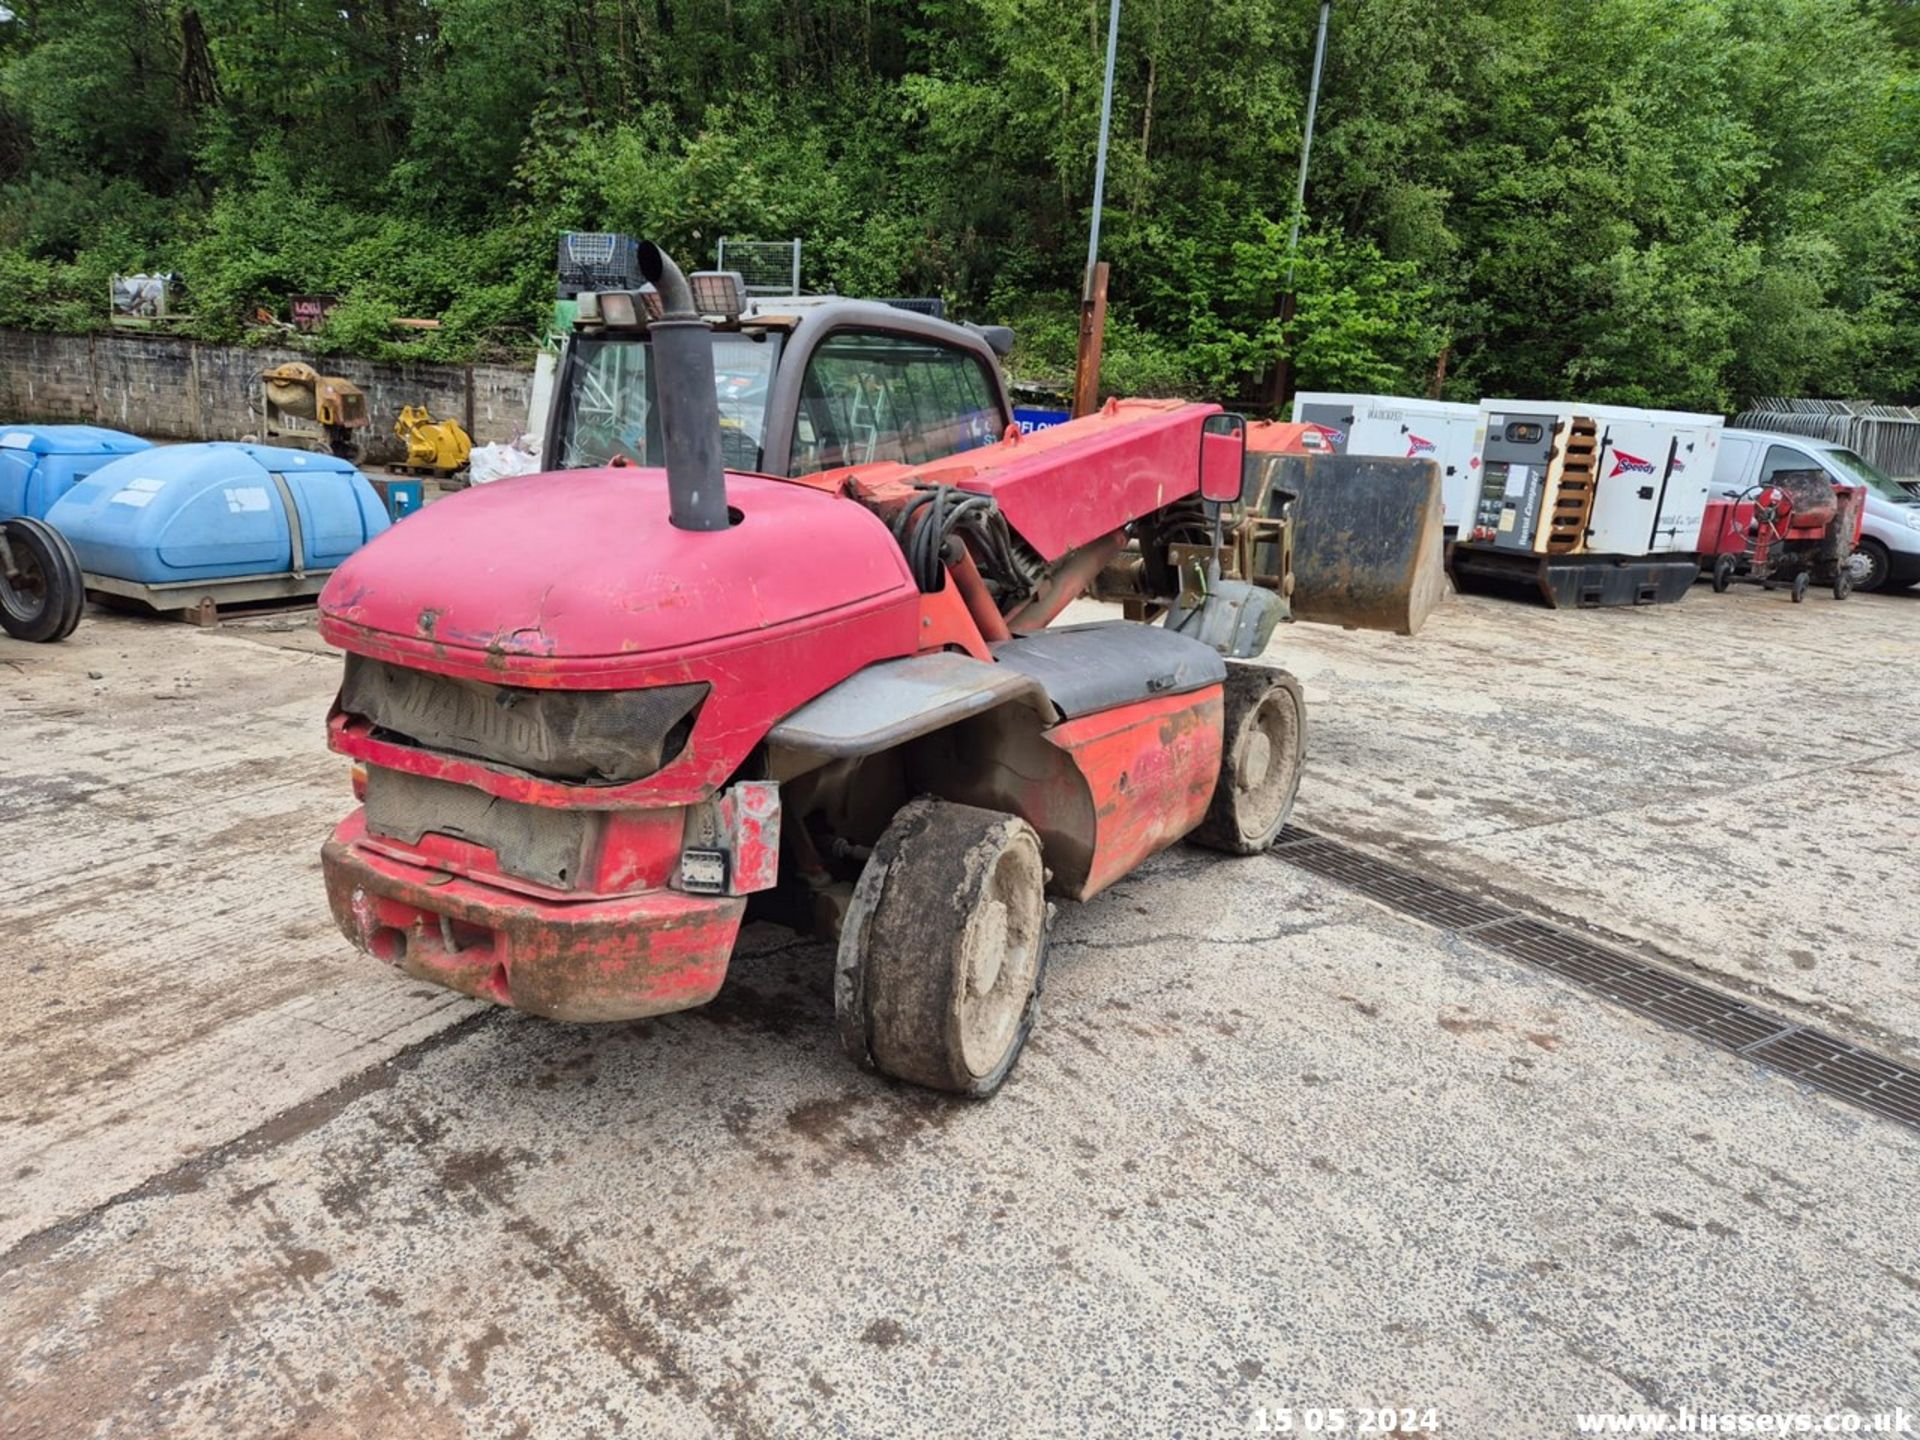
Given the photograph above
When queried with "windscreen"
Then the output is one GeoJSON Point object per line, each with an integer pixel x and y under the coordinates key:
{"type": "Point", "coordinates": [606, 407]}
{"type": "Point", "coordinates": [1860, 472]}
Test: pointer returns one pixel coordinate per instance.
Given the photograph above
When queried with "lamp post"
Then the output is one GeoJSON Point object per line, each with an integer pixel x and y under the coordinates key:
{"type": "Point", "coordinates": [1093, 287]}
{"type": "Point", "coordinates": [1280, 386]}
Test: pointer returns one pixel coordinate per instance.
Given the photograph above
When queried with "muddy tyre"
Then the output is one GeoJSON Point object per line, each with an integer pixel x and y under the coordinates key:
{"type": "Point", "coordinates": [1263, 747]}
{"type": "Point", "coordinates": [1871, 564]}
{"type": "Point", "coordinates": [43, 593]}
{"type": "Point", "coordinates": [944, 950]}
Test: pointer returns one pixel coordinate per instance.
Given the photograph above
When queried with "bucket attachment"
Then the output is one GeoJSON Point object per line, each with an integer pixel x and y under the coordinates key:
{"type": "Point", "coordinates": [1367, 537]}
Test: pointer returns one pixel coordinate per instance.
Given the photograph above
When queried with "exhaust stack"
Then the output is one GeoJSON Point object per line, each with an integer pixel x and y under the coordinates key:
{"type": "Point", "coordinates": [684, 390]}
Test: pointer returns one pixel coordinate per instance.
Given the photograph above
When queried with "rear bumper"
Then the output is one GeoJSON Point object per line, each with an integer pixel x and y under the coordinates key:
{"type": "Point", "coordinates": [588, 960]}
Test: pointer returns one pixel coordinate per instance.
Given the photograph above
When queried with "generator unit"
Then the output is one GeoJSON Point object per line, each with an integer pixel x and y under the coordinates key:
{"type": "Point", "coordinates": [1442, 431]}
{"type": "Point", "coordinates": [1587, 505]}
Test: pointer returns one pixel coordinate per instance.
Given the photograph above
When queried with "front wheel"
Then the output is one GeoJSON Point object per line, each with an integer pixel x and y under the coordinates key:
{"type": "Point", "coordinates": [1263, 747]}
{"type": "Point", "coordinates": [1870, 564]}
{"type": "Point", "coordinates": [1800, 583]}
{"type": "Point", "coordinates": [42, 590]}
{"type": "Point", "coordinates": [1722, 574]}
{"type": "Point", "coordinates": [944, 948]}
{"type": "Point", "coordinates": [1842, 582]}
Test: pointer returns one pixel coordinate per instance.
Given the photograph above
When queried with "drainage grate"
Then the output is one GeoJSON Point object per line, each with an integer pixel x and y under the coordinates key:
{"type": "Point", "coordinates": [1659, 994]}
{"type": "Point", "coordinates": [1847, 1071]}
{"type": "Point", "coordinates": [1436, 904]}
{"type": "Point", "coordinates": [1859, 1076]}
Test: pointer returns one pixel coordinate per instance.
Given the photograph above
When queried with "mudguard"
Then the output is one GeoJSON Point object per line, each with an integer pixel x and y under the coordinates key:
{"type": "Point", "coordinates": [1367, 536]}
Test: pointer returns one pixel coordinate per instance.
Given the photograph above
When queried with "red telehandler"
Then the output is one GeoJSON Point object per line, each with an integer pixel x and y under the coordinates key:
{"type": "Point", "coordinates": [784, 642]}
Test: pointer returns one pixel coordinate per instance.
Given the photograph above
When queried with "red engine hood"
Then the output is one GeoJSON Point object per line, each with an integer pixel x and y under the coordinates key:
{"type": "Point", "coordinates": [577, 576]}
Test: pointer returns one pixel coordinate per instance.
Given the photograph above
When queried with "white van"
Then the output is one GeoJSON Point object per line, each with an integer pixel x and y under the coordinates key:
{"type": "Point", "coordinates": [1889, 553]}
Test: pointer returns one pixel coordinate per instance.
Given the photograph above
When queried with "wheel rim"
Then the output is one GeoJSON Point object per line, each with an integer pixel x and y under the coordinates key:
{"type": "Point", "coordinates": [1000, 958]}
{"type": "Point", "coordinates": [24, 592]}
{"type": "Point", "coordinates": [1264, 765]}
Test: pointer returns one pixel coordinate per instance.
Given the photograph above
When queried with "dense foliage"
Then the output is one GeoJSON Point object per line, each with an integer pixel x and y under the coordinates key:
{"type": "Point", "coordinates": [1633, 200]}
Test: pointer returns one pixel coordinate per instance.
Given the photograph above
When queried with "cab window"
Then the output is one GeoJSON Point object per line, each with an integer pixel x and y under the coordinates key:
{"type": "Point", "coordinates": [869, 396]}
{"type": "Point", "coordinates": [606, 411]}
{"type": "Point", "coordinates": [1781, 458]}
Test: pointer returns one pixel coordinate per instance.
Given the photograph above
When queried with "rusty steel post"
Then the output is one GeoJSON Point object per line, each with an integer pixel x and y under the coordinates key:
{"type": "Point", "coordinates": [1093, 332]}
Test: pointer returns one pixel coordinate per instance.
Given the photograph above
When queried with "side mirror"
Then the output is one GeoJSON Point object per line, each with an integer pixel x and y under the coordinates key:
{"type": "Point", "coordinates": [1223, 457]}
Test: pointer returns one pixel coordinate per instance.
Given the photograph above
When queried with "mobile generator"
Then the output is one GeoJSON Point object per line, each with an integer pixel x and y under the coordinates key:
{"type": "Point", "coordinates": [1587, 505]}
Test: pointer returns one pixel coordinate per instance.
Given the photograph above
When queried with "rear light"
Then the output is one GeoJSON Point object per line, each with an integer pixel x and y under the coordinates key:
{"type": "Point", "coordinates": [732, 842]}
{"type": "Point", "coordinates": [703, 872]}
{"type": "Point", "coordinates": [360, 782]}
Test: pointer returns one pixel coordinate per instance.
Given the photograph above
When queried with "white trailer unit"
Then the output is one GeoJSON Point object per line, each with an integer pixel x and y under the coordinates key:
{"type": "Point", "coordinates": [1591, 504]}
{"type": "Point", "coordinates": [1446, 433]}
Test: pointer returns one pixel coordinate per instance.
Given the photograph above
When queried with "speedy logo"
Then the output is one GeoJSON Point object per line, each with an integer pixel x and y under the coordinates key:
{"type": "Point", "coordinates": [1335, 438]}
{"type": "Point", "coordinates": [1625, 464]}
{"type": "Point", "coordinates": [1417, 446]}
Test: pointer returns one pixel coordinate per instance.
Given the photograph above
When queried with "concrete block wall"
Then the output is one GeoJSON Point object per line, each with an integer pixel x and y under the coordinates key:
{"type": "Point", "coordinates": [45, 377]}
{"type": "Point", "coordinates": [170, 388]}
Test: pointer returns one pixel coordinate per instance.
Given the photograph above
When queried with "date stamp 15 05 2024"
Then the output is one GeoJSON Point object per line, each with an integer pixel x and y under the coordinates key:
{"type": "Point", "coordinates": [1345, 1420]}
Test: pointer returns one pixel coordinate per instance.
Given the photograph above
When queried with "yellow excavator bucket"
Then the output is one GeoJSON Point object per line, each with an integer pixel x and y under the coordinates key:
{"type": "Point", "coordinates": [441, 445]}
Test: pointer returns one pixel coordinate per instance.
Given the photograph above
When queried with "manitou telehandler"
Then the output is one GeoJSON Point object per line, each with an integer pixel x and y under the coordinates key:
{"type": "Point", "coordinates": [783, 644]}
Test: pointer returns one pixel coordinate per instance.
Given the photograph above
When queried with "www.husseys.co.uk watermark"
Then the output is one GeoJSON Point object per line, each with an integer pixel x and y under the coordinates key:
{"type": "Point", "coordinates": [1687, 1421]}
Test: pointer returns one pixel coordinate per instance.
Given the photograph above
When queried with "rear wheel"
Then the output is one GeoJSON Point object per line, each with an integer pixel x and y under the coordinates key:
{"type": "Point", "coordinates": [42, 591]}
{"type": "Point", "coordinates": [1870, 564]}
{"type": "Point", "coordinates": [1842, 583]}
{"type": "Point", "coordinates": [1263, 746]}
{"type": "Point", "coordinates": [943, 952]}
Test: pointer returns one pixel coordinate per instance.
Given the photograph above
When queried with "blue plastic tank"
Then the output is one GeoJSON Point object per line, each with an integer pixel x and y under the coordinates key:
{"type": "Point", "coordinates": [40, 463]}
{"type": "Point", "coordinates": [217, 511]}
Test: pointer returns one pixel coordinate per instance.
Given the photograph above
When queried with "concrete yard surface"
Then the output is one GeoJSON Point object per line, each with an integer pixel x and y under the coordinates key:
{"type": "Point", "coordinates": [1272, 1147]}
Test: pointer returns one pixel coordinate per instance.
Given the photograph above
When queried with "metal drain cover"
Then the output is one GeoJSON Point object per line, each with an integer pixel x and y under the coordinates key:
{"type": "Point", "coordinates": [1861, 1077]}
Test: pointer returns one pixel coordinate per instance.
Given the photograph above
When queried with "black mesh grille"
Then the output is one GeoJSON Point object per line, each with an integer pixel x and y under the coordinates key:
{"type": "Point", "coordinates": [547, 844]}
{"type": "Point", "coordinates": [581, 737]}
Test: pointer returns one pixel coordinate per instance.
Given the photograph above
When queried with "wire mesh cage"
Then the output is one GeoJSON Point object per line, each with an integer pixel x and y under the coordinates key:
{"type": "Point", "coordinates": [597, 260]}
{"type": "Point", "coordinates": [769, 267]}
